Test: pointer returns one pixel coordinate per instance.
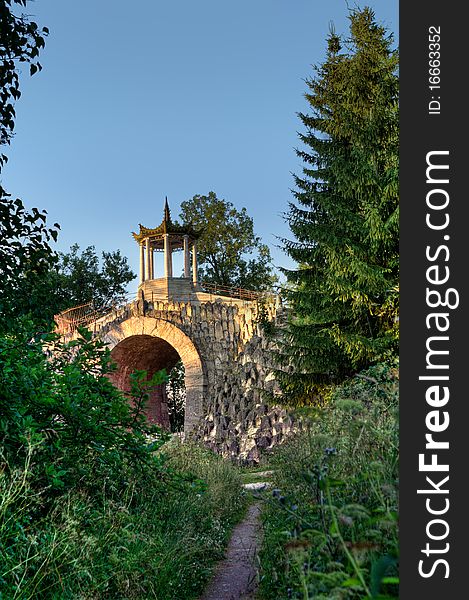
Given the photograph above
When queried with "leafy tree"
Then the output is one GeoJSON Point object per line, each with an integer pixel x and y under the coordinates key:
{"type": "Point", "coordinates": [344, 292]}
{"type": "Point", "coordinates": [20, 42]}
{"type": "Point", "coordinates": [25, 259]}
{"type": "Point", "coordinates": [229, 253]}
{"type": "Point", "coordinates": [25, 253]}
{"type": "Point", "coordinates": [43, 284]}
{"type": "Point", "coordinates": [81, 278]}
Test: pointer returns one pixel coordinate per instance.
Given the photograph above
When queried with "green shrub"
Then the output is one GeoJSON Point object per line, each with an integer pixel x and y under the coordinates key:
{"type": "Point", "coordinates": [331, 522]}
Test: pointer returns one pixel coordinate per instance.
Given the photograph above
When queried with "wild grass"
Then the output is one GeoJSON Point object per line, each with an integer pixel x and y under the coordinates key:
{"type": "Point", "coordinates": [331, 519]}
{"type": "Point", "coordinates": [159, 539]}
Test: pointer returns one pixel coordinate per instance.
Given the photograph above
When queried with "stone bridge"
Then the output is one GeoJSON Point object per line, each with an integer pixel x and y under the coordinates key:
{"type": "Point", "coordinates": [227, 362]}
{"type": "Point", "coordinates": [219, 335]}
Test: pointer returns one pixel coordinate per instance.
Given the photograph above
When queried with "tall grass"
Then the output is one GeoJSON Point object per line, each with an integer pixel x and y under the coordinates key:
{"type": "Point", "coordinates": [331, 521]}
{"type": "Point", "coordinates": [159, 539]}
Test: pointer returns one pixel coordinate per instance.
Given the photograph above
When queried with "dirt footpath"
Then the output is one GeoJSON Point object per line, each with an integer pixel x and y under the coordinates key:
{"type": "Point", "coordinates": [235, 577]}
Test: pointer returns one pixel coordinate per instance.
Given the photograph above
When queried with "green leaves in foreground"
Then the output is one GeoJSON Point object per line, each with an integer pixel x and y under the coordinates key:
{"type": "Point", "coordinates": [331, 529]}
{"type": "Point", "coordinates": [57, 399]}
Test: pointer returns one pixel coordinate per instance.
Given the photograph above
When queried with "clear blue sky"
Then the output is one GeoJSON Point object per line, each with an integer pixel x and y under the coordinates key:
{"type": "Point", "coordinates": [139, 100]}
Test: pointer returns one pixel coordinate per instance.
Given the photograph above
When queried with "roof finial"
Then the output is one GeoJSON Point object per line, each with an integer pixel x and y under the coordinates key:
{"type": "Point", "coordinates": [167, 213]}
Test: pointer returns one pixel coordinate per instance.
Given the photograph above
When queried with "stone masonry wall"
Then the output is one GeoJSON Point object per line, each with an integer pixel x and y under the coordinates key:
{"type": "Point", "coordinates": [241, 419]}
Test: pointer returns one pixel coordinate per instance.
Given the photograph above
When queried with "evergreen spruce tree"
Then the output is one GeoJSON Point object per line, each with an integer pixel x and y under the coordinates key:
{"type": "Point", "coordinates": [344, 293]}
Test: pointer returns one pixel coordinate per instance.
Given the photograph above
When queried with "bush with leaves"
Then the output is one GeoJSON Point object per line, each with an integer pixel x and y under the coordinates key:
{"type": "Point", "coordinates": [65, 428]}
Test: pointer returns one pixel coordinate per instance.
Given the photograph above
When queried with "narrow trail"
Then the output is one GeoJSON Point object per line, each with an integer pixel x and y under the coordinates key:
{"type": "Point", "coordinates": [235, 576]}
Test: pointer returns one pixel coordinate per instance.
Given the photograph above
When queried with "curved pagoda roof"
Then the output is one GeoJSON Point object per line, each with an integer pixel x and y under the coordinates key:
{"type": "Point", "coordinates": [166, 226]}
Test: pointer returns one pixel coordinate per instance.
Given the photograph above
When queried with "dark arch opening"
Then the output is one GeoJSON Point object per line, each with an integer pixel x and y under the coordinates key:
{"type": "Point", "coordinates": [151, 354]}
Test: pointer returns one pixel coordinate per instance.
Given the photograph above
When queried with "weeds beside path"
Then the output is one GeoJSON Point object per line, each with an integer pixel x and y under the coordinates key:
{"type": "Point", "coordinates": [159, 539]}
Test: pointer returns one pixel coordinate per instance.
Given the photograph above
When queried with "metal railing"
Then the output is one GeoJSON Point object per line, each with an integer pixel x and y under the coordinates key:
{"type": "Point", "coordinates": [77, 316]}
{"type": "Point", "coordinates": [86, 314]}
{"type": "Point", "coordinates": [233, 292]}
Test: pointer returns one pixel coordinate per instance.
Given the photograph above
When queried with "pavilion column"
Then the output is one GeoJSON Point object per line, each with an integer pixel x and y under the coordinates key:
{"type": "Point", "coordinates": [152, 266]}
{"type": "Point", "coordinates": [142, 263]}
{"type": "Point", "coordinates": [148, 260]}
{"type": "Point", "coordinates": [168, 258]}
{"type": "Point", "coordinates": [187, 268]}
{"type": "Point", "coordinates": [194, 263]}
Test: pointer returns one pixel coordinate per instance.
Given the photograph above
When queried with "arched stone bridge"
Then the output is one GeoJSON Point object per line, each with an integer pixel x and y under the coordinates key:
{"type": "Point", "coordinates": [227, 360]}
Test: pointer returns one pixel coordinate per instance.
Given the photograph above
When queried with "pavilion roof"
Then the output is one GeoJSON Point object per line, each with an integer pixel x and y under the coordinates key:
{"type": "Point", "coordinates": [166, 226]}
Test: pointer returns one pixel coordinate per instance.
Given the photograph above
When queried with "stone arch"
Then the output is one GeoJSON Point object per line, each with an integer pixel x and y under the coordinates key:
{"type": "Point", "coordinates": [171, 334]}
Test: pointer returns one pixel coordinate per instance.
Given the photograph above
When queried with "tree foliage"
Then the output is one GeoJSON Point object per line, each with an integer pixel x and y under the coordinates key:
{"type": "Point", "coordinates": [25, 253]}
{"type": "Point", "coordinates": [61, 404]}
{"type": "Point", "coordinates": [25, 260]}
{"type": "Point", "coordinates": [40, 283]}
{"type": "Point", "coordinates": [229, 253]}
{"type": "Point", "coordinates": [20, 42]}
{"type": "Point", "coordinates": [82, 277]}
{"type": "Point", "coordinates": [345, 219]}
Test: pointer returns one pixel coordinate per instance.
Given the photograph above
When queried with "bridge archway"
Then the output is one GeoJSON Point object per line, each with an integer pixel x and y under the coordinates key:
{"type": "Point", "coordinates": [151, 344]}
